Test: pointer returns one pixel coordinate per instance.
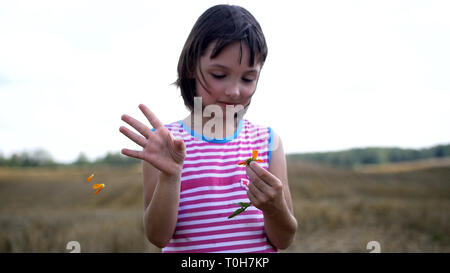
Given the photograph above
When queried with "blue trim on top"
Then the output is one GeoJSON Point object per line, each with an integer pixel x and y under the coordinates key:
{"type": "Point", "coordinates": [270, 143]}
{"type": "Point", "coordinates": [213, 140]}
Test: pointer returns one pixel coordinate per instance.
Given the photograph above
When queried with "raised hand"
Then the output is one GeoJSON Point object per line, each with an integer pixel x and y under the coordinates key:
{"type": "Point", "coordinates": [159, 147]}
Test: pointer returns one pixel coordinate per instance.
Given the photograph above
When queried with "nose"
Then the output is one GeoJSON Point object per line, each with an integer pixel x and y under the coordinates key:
{"type": "Point", "coordinates": [233, 91]}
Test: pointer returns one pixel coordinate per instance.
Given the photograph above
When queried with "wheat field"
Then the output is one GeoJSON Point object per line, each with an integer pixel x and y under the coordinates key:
{"type": "Point", "coordinates": [405, 208]}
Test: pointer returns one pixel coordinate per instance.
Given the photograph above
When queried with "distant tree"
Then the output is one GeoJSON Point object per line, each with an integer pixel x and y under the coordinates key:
{"type": "Point", "coordinates": [116, 158]}
{"type": "Point", "coordinates": [441, 150]}
{"type": "Point", "coordinates": [362, 156]}
{"type": "Point", "coordinates": [2, 159]}
{"type": "Point", "coordinates": [82, 160]}
{"type": "Point", "coordinates": [40, 157]}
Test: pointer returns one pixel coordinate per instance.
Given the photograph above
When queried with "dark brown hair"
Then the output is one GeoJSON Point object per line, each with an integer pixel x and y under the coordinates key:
{"type": "Point", "coordinates": [223, 24]}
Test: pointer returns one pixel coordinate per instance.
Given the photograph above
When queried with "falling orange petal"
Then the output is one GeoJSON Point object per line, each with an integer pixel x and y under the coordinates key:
{"type": "Point", "coordinates": [90, 178]}
{"type": "Point", "coordinates": [99, 187]}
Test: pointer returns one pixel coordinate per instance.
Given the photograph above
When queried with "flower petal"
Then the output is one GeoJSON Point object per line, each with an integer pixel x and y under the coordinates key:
{"type": "Point", "coordinates": [90, 178]}
{"type": "Point", "coordinates": [254, 154]}
{"type": "Point", "coordinates": [97, 186]}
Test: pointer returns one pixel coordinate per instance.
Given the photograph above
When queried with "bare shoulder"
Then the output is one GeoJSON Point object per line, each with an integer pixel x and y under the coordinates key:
{"type": "Point", "coordinates": [278, 166]}
{"type": "Point", "coordinates": [278, 158]}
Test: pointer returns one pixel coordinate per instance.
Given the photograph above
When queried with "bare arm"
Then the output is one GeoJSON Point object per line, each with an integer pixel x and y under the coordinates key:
{"type": "Point", "coordinates": [269, 191]}
{"type": "Point", "coordinates": [161, 198]}
{"type": "Point", "coordinates": [162, 161]}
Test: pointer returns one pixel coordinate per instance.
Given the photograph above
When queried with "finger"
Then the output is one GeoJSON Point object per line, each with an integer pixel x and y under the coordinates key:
{"type": "Point", "coordinates": [154, 121]}
{"type": "Point", "coordinates": [260, 195]}
{"type": "Point", "coordinates": [141, 141]}
{"type": "Point", "coordinates": [133, 153]}
{"type": "Point", "coordinates": [252, 198]}
{"type": "Point", "coordinates": [256, 180]}
{"type": "Point", "coordinates": [263, 174]}
{"type": "Point", "coordinates": [136, 124]}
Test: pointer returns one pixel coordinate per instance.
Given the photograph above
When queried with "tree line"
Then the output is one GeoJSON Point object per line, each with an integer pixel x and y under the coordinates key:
{"type": "Point", "coordinates": [347, 158]}
{"type": "Point", "coordinates": [364, 156]}
{"type": "Point", "coordinates": [42, 158]}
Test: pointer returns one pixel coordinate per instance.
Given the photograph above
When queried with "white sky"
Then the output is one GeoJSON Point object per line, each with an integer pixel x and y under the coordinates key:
{"type": "Point", "coordinates": [339, 74]}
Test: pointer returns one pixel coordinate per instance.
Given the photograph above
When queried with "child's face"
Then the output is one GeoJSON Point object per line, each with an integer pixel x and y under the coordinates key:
{"type": "Point", "coordinates": [229, 80]}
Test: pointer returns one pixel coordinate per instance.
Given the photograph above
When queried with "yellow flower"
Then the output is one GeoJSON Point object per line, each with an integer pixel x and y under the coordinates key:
{"type": "Point", "coordinates": [98, 187]}
{"type": "Point", "coordinates": [253, 158]}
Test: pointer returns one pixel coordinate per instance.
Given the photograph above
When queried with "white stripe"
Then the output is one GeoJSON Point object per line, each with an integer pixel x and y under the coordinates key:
{"type": "Point", "coordinates": [216, 220]}
{"type": "Point", "coordinates": [212, 195]}
{"type": "Point", "coordinates": [211, 188]}
{"type": "Point", "coordinates": [217, 236]}
{"type": "Point", "coordinates": [212, 204]}
{"type": "Point", "coordinates": [214, 245]}
{"type": "Point", "coordinates": [208, 212]}
{"type": "Point", "coordinates": [234, 152]}
{"type": "Point", "coordinates": [217, 168]}
{"type": "Point", "coordinates": [205, 229]}
{"type": "Point", "coordinates": [202, 175]}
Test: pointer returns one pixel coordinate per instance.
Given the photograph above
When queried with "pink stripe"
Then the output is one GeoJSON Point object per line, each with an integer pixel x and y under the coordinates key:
{"type": "Point", "coordinates": [185, 211]}
{"type": "Point", "coordinates": [221, 223]}
{"type": "Point", "coordinates": [212, 171]}
{"type": "Point", "coordinates": [219, 240]}
{"type": "Point", "coordinates": [247, 152]}
{"type": "Point", "coordinates": [224, 215]}
{"type": "Point", "coordinates": [191, 194]}
{"type": "Point", "coordinates": [223, 248]}
{"type": "Point", "coordinates": [212, 181]}
{"type": "Point", "coordinates": [219, 199]}
{"type": "Point", "coordinates": [215, 232]}
{"type": "Point", "coordinates": [188, 164]}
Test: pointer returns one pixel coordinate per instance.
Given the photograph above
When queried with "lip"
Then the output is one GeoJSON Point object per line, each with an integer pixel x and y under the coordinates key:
{"type": "Point", "coordinates": [227, 103]}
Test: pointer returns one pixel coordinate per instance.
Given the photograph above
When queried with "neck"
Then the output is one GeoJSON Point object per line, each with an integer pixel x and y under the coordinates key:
{"type": "Point", "coordinates": [212, 127]}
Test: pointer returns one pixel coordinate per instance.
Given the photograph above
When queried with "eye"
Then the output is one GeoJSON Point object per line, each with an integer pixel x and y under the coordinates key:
{"type": "Point", "coordinates": [218, 76]}
{"type": "Point", "coordinates": [247, 80]}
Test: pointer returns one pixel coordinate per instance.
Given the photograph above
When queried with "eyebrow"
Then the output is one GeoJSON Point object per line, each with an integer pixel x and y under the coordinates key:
{"type": "Point", "coordinates": [226, 68]}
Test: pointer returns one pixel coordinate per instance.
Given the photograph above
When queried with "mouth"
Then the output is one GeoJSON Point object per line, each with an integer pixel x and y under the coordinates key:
{"type": "Point", "coordinates": [227, 103]}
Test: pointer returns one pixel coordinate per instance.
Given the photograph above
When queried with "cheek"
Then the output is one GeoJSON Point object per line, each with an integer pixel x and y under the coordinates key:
{"type": "Point", "coordinates": [209, 93]}
{"type": "Point", "coordinates": [248, 92]}
{"type": "Point", "coordinates": [213, 88]}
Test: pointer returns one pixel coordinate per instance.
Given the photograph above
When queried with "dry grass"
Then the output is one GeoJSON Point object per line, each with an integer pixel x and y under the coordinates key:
{"type": "Point", "coordinates": [341, 211]}
{"type": "Point", "coordinates": [406, 210]}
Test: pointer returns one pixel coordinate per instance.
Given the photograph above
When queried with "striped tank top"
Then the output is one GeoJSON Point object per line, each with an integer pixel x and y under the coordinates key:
{"type": "Point", "coordinates": [212, 183]}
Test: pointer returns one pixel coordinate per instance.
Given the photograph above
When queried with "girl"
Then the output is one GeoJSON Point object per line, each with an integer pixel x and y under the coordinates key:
{"type": "Point", "coordinates": [192, 179]}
